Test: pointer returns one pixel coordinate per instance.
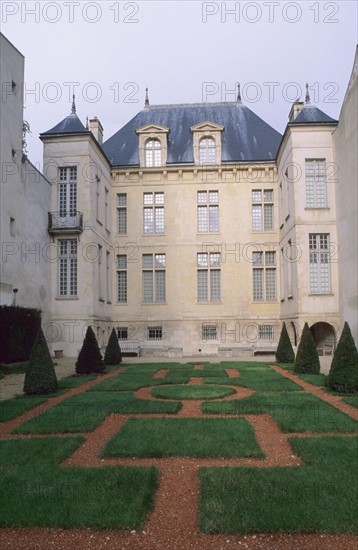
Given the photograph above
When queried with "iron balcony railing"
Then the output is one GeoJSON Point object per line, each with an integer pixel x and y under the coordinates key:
{"type": "Point", "coordinates": [65, 221]}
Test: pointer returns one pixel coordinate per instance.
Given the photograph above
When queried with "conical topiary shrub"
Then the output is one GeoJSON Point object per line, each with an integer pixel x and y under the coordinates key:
{"type": "Point", "coordinates": [40, 377]}
{"type": "Point", "coordinates": [307, 360]}
{"type": "Point", "coordinates": [113, 353]}
{"type": "Point", "coordinates": [343, 375]}
{"type": "Point", "coordinates": [89, 359]}
{"type": "Point", "coordinates": [284, 352]}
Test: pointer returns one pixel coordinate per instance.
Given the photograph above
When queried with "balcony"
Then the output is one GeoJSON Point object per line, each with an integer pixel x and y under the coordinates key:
{"type": "Point", "coordinates": [65, 222]}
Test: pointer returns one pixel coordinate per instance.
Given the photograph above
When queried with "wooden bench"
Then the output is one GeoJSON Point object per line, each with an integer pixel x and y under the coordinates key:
{"type": "Point", "coordinates": [129, 346]}
{"type": "Point", "coordinates": [261, 347]}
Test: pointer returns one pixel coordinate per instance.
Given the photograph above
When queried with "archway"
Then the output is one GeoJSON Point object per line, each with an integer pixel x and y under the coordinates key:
{"type": "Point", "coordinates": [324, 336]}
{"type": "Point", "coordinates": [292, 332]}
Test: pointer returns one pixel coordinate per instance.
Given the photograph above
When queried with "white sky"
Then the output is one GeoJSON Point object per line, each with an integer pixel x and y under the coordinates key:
{"type": "Point", "coordinates": [185, 52]}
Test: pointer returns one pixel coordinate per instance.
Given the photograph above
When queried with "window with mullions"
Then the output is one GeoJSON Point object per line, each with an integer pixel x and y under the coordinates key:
{"type": "Point", "coordinates": [67, 266]}
{"type": "Point", "coordinates": [209, 277]}
{"type": "Point", "coordinates": [316, 192]}
{"type": "Point", "coordinates": [320, 273]}
{"type": "Point", "coordinates": [266, 332]}
{"type": "Point", "coordinates": [153, 213]}
{"type": "Point", "coordinates": [264, 276]}
{"type": "Point", "coordinates": [208, 211]}
{"type": "Point", "coordinates": [122, 278]}
{"type": "Point", "coordinates": [67, 191]}
{"type": "Point", "coordinates": [122, 333]}
{"type": "Point", "coordinates": [154, 266]}
{"type": "Point", "coordinates": [153, 153]}
{"type": "Point", "coordinates": [207, 150]}
{"type": "Point", "coordinates": [155, 333]}
{"type": "Point", "coordinates": [209, 332]}
{"type": "Point", "coordinates": [122, 213]}
{"type": "Point", "coordinates": [262, 210]}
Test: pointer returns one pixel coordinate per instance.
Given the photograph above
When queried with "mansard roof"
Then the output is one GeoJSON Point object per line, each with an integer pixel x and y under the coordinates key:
{"type": "Point", "coordinates": [245, 137]}
{"type": "Point", "coordinates": [69, 125]}
{"type": "Point", "coordinates": [312, 115]}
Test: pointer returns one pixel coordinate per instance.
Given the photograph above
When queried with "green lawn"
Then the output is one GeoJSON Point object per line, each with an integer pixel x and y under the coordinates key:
{"type": "Point", "coordinates": [85, 411]}
{"type": "Point", "coordinates": [318, 497]}
{"type": "Point", "coordinates": [11, 408]}
{"type": "Point", "coordinates": [192, 392]}
{"type": "Point", "coordinates": [351, 400]}
{"type": "Point", "coordinates": [38, 492]}
{"type": "Point", "coordinates": [13, 368]}
{"type": "Point", "coordinates": [74, 381]}
{"type": "Point", "coordinates": [199, 437]}
{"type": "Point", "coordinates": [293, 411]}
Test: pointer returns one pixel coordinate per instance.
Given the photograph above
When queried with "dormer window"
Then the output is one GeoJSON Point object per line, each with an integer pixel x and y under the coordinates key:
{"type": "Point", "coordinates": [207, 143]}
{"type": "Point", "coordinates": [153, 153]}
{"type": "Point", "coordinates": [207, 150]}
{"type": "Point", "coordinates": [153, 146]}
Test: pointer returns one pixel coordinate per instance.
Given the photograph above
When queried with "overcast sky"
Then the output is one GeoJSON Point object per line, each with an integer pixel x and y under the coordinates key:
{"type": "Point", "coordinates": [185, 52]}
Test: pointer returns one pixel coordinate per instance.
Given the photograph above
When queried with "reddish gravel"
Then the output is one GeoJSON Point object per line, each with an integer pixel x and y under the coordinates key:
{"type": "Point", "coordinates": [160, 373]}
{"type": "Point", "coordinates": [172, 525]}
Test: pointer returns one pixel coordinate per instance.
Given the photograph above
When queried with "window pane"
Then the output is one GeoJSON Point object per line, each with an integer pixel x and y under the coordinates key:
{"type": "Point", "coordinates": [256, 196]}
{"type": "Point", "coordinates": [148, 223]}
{"type": "Point", "coordinates": [147, 261]}
{"type": "Point", "coordinates": [215, 285]}
{"type": "Point", "coordinates": [213, 197]}
{"type": "Point", "coordinates": [148, 198]}
{"type": "Point", "coordinates": [213, 218]}
{"type": "Point", "coordinates": [122, 199]}
{"type": "Point", "coordinates": [122, 286]}
{"type": "Point", "coordinates": [268, 213]}
{"type": "Point", "coordinates": [122, 262]}
{"type": "Point", "coordinates": [147, 286]}
{"type": "Point", "coordinates": [209, 332]}
{"type": "Point", "coordinates": [122, 221]}
{"type": "Point", "coordinates": [214, 259]}
{"type": "Point", "coordinates": [270, 258]}
{"type": "Point", "coordinates": [202, 285]}
{"type": "Point", "coordinates": [202, 197]}
{"type": "Point", "coordinates": [159, 198]}
{"type": "Point", "coordinates": [268, 195]}
{"type": "Point", "coordinates": [160, 260]}
{"type": "Point", "coordinates": [202, 219]}
{"type": "Point", "coordinates": [257, 258]}
{"type": "Point", "coordinates": [202, 259]}
{"type": "Point", "coordinates": [270, 284]}
{"type": "Point", "coordinates": [257, 217]}
{"type": "Point", "coordinates": [160, 286]}
{"type": "Point", "coordinates": [258, 284]}
{"type": "Point", "coordinates": [159, 220]}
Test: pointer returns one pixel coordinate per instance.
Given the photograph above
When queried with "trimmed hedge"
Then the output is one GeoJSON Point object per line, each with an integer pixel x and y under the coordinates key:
{"type": "Point", "coordinates": [89, 359]}
{"type": "Point", "coordinates": [40, 377]}
{"type": "Point", "coordinates": [284, 352]}
{"type": "Point", "coordinates": [343, 375]}
{"type": "Point", "coordinates": [19, 326]}
{"type": "Point", "coordinates": [307, 360]}
{"type": "Point", "coordinates": [113, 354]}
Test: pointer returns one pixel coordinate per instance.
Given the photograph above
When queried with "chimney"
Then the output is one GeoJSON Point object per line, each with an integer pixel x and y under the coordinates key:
{"type": "Point", "coordinates": [97, 129]}
{"type": "Point", "coordinates": [295, 110]}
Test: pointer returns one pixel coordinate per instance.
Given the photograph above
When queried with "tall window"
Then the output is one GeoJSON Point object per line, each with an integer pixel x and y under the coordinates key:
{"type": "Point", "coordinates": [153, 213]}
{"type": "Point", "coordinates": [122, 213]}
{"type": "Point", "coordinates": [264, 276]}
{"type": "Point", "coordinates": [209, 277]}
{"type": "Point", "coordinates": [122, 278]}
{"type": "Point", "coordinates": [208, 211]}
{"type": "Point", "coordinates": [316, 192]}
{"type": "Point", "coordinates": [207, 151]}
{"type": "Point", "coordinates": [100, 274]}
{"type": "Point", "coordinates": [67, 191]}
{"type": "Point", "coordinates": [262, 210]}
{"type": "Point", "coordinates": [106, 209]}
{"type": "Point", "coordinates": [320, 276]}
{"type": "Point", "coordinates": [153, 153]}
{"type": "Point", "coordinates": [154, 278]}
{"type": "Point", "coordinates": [67, 276]}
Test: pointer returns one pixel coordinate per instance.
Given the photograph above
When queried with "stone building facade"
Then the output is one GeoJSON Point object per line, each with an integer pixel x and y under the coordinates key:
{"type": "Point", "coordinates": [196, 229]}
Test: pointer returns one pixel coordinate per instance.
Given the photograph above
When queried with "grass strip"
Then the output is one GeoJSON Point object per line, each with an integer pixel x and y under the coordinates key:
{"type": "Point", "coordinates": [38, 492]}
{"type": "Point", "coordinates": [318, 497]}
{"type": "Point", "coordinates": [85, 411]}
{"type": "Point", "coordinates": [293, 411]}
{"type": "Point", "coordinates": [192, 392]}
{"type": "Point", "coordinates": [197, 437]}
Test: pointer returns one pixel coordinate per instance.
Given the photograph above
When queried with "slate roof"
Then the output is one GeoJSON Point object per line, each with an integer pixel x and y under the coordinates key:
{"type": "Point", "coordinates": [69, 125]}
{"type": "Point", "coordinates": [312, 115]}
{"type": "Point", "coordinates": [246, 137]}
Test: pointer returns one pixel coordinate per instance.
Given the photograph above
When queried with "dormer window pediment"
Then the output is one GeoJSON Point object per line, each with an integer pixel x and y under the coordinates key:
{"type": "Point", "coordinates": [206, 127]}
